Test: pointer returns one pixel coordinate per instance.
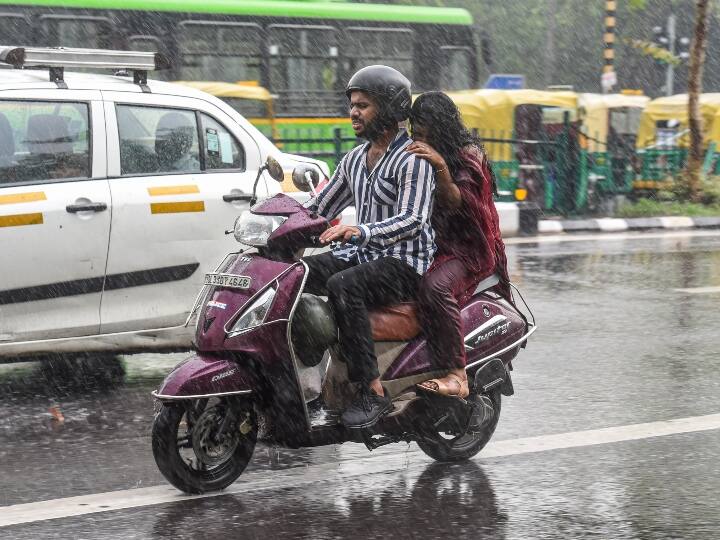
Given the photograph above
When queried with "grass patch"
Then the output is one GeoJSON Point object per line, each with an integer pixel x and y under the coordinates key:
{"type": "Point", "coordinates": [656, 208]}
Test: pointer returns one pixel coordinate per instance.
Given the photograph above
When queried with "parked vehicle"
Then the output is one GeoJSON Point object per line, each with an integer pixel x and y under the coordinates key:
{"type": "Point", "coordinates": [266, 356]}
{"type": "Point", "coordinates": [610, 124]}
{"type": "Point", "coordinates": [520, 129]}
{"type": "Point", "coordinates": [114, 195]}
{"type": "Point", "coordinates": [664, 136]}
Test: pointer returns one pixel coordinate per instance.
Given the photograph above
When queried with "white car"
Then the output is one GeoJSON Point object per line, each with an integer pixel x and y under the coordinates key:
{"type": "Point", "coordinates": [115, 193]}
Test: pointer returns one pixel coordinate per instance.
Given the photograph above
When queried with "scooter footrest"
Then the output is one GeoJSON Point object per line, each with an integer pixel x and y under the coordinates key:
{"type": "Point", "coordinates": [322, 417]}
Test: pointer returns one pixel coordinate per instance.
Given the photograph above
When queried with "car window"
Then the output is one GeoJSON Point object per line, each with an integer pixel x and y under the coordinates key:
{"type": "Point", "coordinates": [222, 151]}
{"type": "Point", "coordinates": [43, 140]}
{"type": "Point", "coordinates": [157, 140]}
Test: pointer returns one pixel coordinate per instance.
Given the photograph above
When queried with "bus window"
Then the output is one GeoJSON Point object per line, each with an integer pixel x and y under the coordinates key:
{"type": "Point", "coordinates": [82, 32]}
{"type": "Point", "coordinates": [15, 29]}
{"type": "Point", "coordinates": [457, 68]}
{"type": "Point", "coordinates": [211, 51]}
{"type": "Point", "coordinates": [149, 44]}
{"type": "Point", "coordinates": [389, 46]}
{"type": "Point", "coordinates": [303, 65]}
{"type": "Point", "coordinates": [249, 108]}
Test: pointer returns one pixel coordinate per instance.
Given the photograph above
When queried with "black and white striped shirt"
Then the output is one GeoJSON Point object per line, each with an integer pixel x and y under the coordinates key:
{"type": "Point", "coordinates": [393, 203]}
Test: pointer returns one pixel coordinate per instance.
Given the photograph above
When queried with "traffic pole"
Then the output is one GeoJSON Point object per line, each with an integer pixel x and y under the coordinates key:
{"type": "Point", "coordinates": [609, 42]}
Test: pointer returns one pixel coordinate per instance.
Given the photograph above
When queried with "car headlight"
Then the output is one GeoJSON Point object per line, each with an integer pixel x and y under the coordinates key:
{"type": "Point", "coordinates": [254, 315]}
{"type": "Point", "coordinates": [254, 230]}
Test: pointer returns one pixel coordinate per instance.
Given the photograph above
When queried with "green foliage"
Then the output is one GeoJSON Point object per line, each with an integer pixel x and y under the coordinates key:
{"type": "Point", "coordinates": [657, 208]}
{"type": "Point", "coordinates": [648, 48]}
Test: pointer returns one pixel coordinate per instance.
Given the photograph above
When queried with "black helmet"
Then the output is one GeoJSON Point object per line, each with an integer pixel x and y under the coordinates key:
{"type": "Point", "coordinates": [390, 86]}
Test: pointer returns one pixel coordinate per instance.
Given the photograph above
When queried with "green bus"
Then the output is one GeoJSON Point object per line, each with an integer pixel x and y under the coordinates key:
{"type": "Point", "coordinates": [302, 51]}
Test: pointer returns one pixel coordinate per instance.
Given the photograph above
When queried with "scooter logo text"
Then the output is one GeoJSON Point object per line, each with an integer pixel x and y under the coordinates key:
{"type": "Point", "coordinates": [220, 376]}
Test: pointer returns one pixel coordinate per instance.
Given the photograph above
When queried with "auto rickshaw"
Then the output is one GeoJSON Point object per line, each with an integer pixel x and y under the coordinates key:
{"type": "Point", "coordinates": [610, 124]}
{"type": "Point", "coordinates": [664, 137]}
{"type": "Point", "coordinates": [252, 101]}
{"type": "Point", "coordinates": [527, 135]}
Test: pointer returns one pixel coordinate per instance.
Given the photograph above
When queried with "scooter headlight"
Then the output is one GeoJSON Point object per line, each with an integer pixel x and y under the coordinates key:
{"type": "Point", "coordinates": [254, 315]}
{"type": "Point", "coordinates": [254, 230]}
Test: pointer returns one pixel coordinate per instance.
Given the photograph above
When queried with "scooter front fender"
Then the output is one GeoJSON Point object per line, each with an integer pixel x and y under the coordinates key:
{"type": "Point", "coordinates": [204, 376]}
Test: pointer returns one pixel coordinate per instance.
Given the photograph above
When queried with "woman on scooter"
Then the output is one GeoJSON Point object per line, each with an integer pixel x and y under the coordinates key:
{"type": "Point", "coordinates": [467, 230]}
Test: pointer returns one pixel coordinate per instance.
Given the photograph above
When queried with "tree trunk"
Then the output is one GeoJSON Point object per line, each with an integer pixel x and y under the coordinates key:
{"type": "Point", "coordinates": [697, 59]}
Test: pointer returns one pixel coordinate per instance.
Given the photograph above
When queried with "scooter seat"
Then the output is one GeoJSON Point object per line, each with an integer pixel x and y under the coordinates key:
{"type": "Point", "coordinates": [397, 322]}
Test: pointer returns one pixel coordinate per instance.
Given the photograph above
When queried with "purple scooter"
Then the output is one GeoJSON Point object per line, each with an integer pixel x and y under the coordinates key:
{"type": "Point", "coordinates": [267, 365]}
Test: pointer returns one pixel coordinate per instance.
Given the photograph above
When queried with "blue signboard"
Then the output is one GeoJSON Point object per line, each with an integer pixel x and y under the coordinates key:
{"type": "Point", "coordinates": [506, 82]}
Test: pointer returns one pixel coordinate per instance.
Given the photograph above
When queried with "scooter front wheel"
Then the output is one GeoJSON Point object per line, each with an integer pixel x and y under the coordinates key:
{"type": "Point", "coordinates": [448, 447]}
{"type": "Point", "coordinates": [204, 445]}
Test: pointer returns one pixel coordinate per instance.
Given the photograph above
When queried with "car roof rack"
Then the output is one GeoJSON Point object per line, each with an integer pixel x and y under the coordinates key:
{"type": "Point", "coordinates": [56, 59]}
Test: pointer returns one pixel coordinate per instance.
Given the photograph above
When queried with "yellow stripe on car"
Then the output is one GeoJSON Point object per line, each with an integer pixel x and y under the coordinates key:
{"type": "Point", "coordinates": [17, 220]}
{"type": "Point", "coordinates": [16, 198]}
{"type": "Point", "coordinates": [177, 207]}
{"type": "Point", "coordinates": [172, 190]}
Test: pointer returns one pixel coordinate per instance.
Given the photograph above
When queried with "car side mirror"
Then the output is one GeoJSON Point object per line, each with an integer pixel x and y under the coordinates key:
{"type": "Point", "coordinates": [305, 177]}
{"type": "Point", "coordinates": [275, 169]}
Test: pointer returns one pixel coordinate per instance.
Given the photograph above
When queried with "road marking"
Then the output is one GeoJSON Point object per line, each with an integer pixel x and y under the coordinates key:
{"type": "Point", "coordinates": [15, 198]}
{"type": "Point", "coordinates": [700, 290]}
{"type": "Point", "coordinates": [177, 207]}
{"type": "Point", "coordinates": [302, 476]}
{"type": "Point", "coordinates": [17, 220]}
{"type": "Point", "coordinates": [172, 190]}
{"type": "Point", "coordinates": [602, 236]}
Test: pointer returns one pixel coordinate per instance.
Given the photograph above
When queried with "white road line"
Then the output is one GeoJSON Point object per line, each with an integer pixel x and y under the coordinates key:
{"type": "Point", "coordinates": [602, 236]}
{"type": "Point", "coordinates": [700, 290]}
{"type": "Point", "coordinates": [300, 476]}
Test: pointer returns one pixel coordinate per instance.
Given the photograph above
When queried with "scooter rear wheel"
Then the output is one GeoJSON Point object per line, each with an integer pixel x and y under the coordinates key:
{"type": "Point", "coordinates": [446, 447]}
{"type": "Point", "coordinates": [188, 451]}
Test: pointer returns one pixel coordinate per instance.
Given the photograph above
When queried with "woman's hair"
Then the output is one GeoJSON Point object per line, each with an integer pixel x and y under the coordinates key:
{"type": "Point", "coordinates": [446, 132]}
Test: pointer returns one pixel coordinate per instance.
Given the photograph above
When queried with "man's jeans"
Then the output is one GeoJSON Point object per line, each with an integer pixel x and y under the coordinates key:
{"type": "Point", "coordinates": [352, 290]}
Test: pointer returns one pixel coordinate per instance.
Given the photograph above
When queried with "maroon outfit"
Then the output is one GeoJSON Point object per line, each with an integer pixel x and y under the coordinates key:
{"type": "Point", "coordinates": [470, 249]}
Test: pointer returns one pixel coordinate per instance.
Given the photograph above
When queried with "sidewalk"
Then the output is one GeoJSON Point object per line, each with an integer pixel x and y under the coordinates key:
{"type": "Point", "coordinates": [556, 226]}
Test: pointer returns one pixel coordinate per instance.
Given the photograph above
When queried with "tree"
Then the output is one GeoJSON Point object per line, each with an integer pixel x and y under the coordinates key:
{"type": "Point", "coordinates": [697, 59]}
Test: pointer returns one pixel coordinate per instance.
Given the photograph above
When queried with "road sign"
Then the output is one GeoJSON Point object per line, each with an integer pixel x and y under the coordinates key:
{"type": "Point", "coordinates": [505, 82]}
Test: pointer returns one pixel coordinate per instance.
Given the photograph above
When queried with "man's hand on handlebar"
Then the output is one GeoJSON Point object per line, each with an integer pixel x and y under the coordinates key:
{"type": "Point", "coordinates": [346, 234]}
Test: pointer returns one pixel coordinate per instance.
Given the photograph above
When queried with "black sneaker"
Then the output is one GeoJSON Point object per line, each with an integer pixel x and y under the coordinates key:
{"type": "Point", "coordinates": [366, 409]}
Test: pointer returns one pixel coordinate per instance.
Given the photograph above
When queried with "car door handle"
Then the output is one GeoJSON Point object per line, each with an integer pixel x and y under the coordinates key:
{"type": "Point", "coordinates": [232, 197]}
{"type": "Point", "coordinates": [87, 207]}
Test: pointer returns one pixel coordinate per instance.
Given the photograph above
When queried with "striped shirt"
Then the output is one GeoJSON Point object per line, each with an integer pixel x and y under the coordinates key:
{"type": "Point", "coordinates": [393, 204]}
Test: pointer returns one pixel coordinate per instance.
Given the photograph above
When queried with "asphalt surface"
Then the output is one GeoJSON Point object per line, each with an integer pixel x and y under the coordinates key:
{"type": "Point", "coordinates": [618, 344]}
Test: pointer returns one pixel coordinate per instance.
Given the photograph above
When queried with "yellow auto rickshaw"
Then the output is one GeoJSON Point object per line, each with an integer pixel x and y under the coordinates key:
{"type": "Point", "coordinates": [664, 136]}
{"type": "Point", "coordinates": [252, 101]}
{"type": "Point", "coordinates": [610, 125]}
{"type": "Point", "coordinates": [518, 128]}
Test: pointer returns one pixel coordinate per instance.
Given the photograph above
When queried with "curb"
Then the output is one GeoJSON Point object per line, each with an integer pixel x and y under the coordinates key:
{"type": "Point", "coordinates": [551, 226]}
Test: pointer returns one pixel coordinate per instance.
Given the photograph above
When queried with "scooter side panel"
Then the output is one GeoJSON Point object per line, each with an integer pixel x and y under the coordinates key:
{"type": "Point", "coordinates": [203, 374]}
{"type": "Point", "coordinates": [223, 305]}
{"type": "Point", "coordinates": [507, 328]}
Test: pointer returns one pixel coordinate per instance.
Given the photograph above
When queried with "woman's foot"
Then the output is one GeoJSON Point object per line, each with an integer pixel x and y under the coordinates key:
{"type": "Point", "coordinates": [452, 385]}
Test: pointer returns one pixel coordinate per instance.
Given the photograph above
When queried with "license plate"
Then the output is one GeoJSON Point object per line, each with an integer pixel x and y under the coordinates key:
{"type": "Point", "coordinates": [228, 280]}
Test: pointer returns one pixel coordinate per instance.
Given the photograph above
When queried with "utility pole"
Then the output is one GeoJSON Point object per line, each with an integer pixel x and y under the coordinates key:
{"type": "Point", "coordinates": [550, 15]}
{"type": "Point", "coordinates": [670, 73]}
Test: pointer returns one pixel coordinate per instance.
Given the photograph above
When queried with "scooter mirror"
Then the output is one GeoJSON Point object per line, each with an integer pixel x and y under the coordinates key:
{"type": "Point", "coordinates": [302, 176]}
{"type": "Point", "coordinates": [275, 169]}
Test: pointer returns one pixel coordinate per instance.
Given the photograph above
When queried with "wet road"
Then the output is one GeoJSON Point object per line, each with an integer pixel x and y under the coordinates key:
{"type": "Point", "coordinates": [627, 336]}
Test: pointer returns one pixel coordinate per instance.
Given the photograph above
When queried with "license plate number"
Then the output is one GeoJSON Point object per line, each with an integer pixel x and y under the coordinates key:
{"type": "Point", "coordinates": [228, 280]}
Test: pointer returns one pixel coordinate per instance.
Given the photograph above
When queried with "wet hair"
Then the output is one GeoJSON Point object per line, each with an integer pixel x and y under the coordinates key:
{"type": "Point", "coordinates": [446, 133]}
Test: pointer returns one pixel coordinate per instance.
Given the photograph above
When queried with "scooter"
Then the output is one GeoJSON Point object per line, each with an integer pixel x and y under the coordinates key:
{"type": "Point", "coordinates": [267, 365]}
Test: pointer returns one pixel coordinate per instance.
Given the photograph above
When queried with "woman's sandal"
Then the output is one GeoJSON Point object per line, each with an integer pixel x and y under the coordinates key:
{"type": "Point", "coordinates": [450, 386]}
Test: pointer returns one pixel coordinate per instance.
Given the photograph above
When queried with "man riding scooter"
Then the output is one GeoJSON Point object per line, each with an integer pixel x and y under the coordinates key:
{"type": "Point", "coordinates": [380, 261]}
